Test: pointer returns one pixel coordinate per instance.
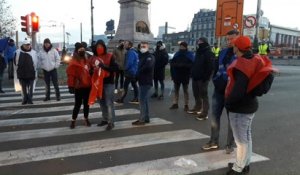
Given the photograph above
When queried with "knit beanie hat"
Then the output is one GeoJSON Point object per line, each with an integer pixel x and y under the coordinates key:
{"type": "Point", "coordinates": [243, 43]}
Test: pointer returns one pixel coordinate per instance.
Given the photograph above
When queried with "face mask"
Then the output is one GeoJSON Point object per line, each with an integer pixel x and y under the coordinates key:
{"type": "Point", "coordinates": [81, 53]}
{"type": "Point", "coordinates": [144, 50]}
{"type": "Point", "coordinates": [100, 50]}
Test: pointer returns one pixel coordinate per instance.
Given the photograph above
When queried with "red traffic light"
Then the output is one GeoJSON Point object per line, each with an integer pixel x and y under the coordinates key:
{"type": "Point", "coordinates": [35, 22]}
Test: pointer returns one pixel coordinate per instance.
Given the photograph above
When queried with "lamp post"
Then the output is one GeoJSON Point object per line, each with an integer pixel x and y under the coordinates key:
{"type": "Point", "coordinates": [92, 21]}
{"type": "Point", "coordinates": [258, 14]}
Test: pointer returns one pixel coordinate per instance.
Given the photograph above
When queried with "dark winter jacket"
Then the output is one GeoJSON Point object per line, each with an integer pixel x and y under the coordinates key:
{"type": "Point", "coordinates": [203, 66]}
{"type": "Point", "coordinates": [181, 65]}
{"type": "Point", "coordinates": [131, 63]}
{"type": "Point", "coordinates": [26, 62]}
{"type": "Point", "coordinates": [145, 69]}
{"type": "Point", "coordinates": [9, 52]}
{"type": "Point", "coordinates": [161, 60]}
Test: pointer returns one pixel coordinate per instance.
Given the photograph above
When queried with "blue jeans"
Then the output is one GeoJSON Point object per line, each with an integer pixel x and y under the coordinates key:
{"type": "Point", "coordinates": [144, 105]}
{"type": "Point", "coordinates": [218, 101]}
{"type": "Point", "coordinates": [107, 103]}
{"type": "Point", "coordinates": [241, 127]}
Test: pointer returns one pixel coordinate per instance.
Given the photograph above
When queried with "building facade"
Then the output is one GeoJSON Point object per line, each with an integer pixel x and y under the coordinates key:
{"type": "Point", "coordinates": [173, 39]}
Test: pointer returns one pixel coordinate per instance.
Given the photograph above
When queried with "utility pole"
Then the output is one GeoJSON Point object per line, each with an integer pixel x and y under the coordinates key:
{"type": "Point", "coordinates": [258, 13]}
{"type": "Point", "coordinates": [80, 31]}
{"type": "Point", "coordinates": [64, 36]}
{"type": "Point", "coordinates": [92, 21]}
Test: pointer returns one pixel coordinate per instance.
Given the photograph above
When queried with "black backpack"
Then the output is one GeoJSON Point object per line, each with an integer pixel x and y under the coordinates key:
{"type": "Point", "coordinates": [264, 87]}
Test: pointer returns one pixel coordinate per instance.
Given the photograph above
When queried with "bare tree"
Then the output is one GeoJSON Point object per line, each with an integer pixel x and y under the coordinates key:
{"type": "Point", "coordinates": [7, 20]}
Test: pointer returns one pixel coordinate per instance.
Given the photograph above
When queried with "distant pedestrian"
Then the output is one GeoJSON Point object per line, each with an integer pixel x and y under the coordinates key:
{"type": "Point", "coordinates": [106, 61]}
{"type": "Point", "coordinates": [144, 76]}
{"type": "Point", "coordinates": [161, 60]}
{"type": "Point", "coordinates": [79, 83]}
{"type": "Point", "coordinates": [119, 54]}
{"type": "Point", "coordinates": [181, 65]}
{"type": "Point", "coordinates": [202, 71]}
{"type": "Point", "coordinates": [9, 55]}
{"type": "Point", "coordinates": [49, 62]}
{"type": "Point", "coordinates": [263, 48]}
{"type": "Point", "coordinates": [216, 50]}
{"type": "Point", "coordinates": [220, 78]}
{"type": "Point", "coordinates": [130, 70]}
{"type": "Point", "coordinates": [26, 62]}
{"type": "Point", "coordinates": [2, 68]}
{"type": "Point", "coordinates": [245, 73]}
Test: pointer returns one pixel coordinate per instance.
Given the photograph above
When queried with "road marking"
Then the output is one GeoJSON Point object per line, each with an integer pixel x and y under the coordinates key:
{"type": "Point", "coordinates": [37, 88]}
{"type": "Point", "coordinates": [61, 118]}
{"type": "Point", "coordinates": [35, 92]}
{"type": "Point", "coordinates": [34, 97]}
{"type": "Point", "coordinates": [207, 161]}
{"type": "Point", "coordinates": [40, 102]}
{"type": "Point", "coordinates": [97, 146]}
{"type": "Point", "coordinates": [63, 131]}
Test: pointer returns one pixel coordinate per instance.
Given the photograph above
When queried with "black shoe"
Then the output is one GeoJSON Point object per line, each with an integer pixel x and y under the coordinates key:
{"type": "Point", "coordinates": [174, 106]}
{"type": "Point", "coordinates": [72, 126]}
{"type": "Point", "coordinates": [186, 108]}
{"type": "Point", "coordinates": [246, 169]}
{"type": "Point", "coordinates": [24, 102]}
{"type": "Point", "coordinates": [30, 102]}
{"type": "Point", "coordinates": [202, 117]}
{"type": "Point", "coordinates": [138, 123]}
{"type": "Point", "coordinates": [161, 97]}
{"type": "Point", "coordinates": [1, 91]}
{"type": "Point", "coordinates": [232, 172]}
{"type": "Point", "coordinates": [87, 122]}
{"type": "Point", "coordinates": [102, 123]}
{"type": "Point", "coordinates": [46, 99]}
{"type": "Point", "coordinates": [229, 149]}
{"type": "Point", "coordinates": [58, 99]}
{"type": "Point", "coordinates": [110, 126]}
{"type": "Point", "coordinates": [210, 145]}
{"type": "Point", "coordinates": [154, 95]}
{"type": "Point", "coordinates": [119, 101]}
{"type": "Point", "coordinates": [134, 101]}
{"type": "Point", "coordinates": [147, 121]}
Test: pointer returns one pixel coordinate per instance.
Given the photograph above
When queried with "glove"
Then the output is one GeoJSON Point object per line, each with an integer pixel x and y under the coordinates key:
{"type": "Point", "coordinates": [71, 90]}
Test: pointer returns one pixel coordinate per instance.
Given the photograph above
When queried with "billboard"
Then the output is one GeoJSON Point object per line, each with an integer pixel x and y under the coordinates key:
{"type": "Point", "coordinates": [229, 16]}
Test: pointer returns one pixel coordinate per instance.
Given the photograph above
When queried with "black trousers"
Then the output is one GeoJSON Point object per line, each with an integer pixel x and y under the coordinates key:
{"type": "Point", "coordinates": [81, 96]}
{"type": "Point", "coordinates": [133, 82]}
{"type": "Point", "coordinates": [10, 69]}
{"type": "Point", "coordinates": [162, 86]}
{"type": "Point", "coordinates": [200, 89]}
{"type": "Point", "coordinates": [48, 76]}
{"type": "Point", "coordinates": [119, 77]}
{"type": "Point", "coordinates": [27, 89]}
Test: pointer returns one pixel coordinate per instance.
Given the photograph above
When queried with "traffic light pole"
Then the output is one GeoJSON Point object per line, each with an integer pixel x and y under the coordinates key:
{"type": "Point", "coordinates": [92, 21]}
{"type": "Point", "coordinates": [258, 11]}
{"type": "Point", "coordinates": [33, 37]}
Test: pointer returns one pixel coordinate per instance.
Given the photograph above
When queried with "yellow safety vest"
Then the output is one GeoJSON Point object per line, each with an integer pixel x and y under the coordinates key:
{"type": "Point", "coordinates": [262, 49]}
{"type": "Point", "coordinates": [216, 51]}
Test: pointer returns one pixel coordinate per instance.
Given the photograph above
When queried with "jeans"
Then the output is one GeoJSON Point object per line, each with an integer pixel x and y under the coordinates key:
{"type": "Point", "coordinates": [133, 82]}
{"type": "Point", "coordinates": [144, 105]}
{"type": "Point", "coordinates": [81, 95]}
{"type": "Point", "coordinates": [107, 103]}
{"type": "Point", "coordinates": [162, 86]}
{"type": "Point", "coordinates": [241, 127]}
{"type": "Point", "coordinates": [119, 75]}
{"type": "Point", "coordinates": [185, 91]}
{"type": "Point", "coordinates": [217, 109]}
{"type": "Point", "coordinates": [51, 75]}
{"type": "Point", "coordinates": [201, 96]}
{"type": "Point", "coordinates": [27, 89]}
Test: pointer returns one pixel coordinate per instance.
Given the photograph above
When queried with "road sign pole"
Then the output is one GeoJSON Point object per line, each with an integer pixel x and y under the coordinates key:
{"type": "Point", "coordinates": [255, 44]}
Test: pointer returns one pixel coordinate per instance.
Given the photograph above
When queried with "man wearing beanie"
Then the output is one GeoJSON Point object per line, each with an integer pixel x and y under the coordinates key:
{"type": "Point", "coordinates": [245, 73]}
{"type": "Point", "coordinates": [202, 71]}
{"type": "Point", "coordinates": [49, 61]}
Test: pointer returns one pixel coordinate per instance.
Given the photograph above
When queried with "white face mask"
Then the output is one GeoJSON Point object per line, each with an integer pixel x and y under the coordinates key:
{"type": "Point", "coordinates": [144, 50]}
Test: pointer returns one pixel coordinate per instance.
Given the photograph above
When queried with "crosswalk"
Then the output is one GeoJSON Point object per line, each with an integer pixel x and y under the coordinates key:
{"type": "Point", "coordinates": [38, 135]}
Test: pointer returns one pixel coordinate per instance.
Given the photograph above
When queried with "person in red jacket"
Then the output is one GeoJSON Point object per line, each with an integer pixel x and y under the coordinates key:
{"type": "Point", "coordinates": [79, 83]}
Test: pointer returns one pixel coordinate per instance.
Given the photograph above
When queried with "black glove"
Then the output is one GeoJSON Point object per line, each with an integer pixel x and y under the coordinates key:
{"type": "Point", "coordinates": [71, 90]}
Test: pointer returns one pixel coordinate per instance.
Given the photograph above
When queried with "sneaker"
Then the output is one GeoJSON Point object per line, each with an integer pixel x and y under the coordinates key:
{"type": "Point", "coordinates": [232, 172]}
{"type": "Point", "coordinates": [1, 91]}
{"type": "Point", "coordinates": [87, 122]}
{"type": "Point", "coordinates": [102, 123]}
{"type": "Point", "coordinates": [24, 102]}
{"type": "Point", "coordinates": [109, 127]}
{"type": "Point", "coordinates": [210, 145]}
{"type": "Point", "coordinates": [119, 101]}
{"type": "Point", "coordinates": [134, 101]}
{"type": "Point", "coordinates": [229, 149]}
{"type": "Point", "coordinates": [147, 121]}
{"type": "Point", "coordinates": [138, 123]}
{"type": "Point", "coordinates": [154, 95]}
{"type": "Point", "coordinates": [246, 169]}
{"type": "Point", "coordinates": [161, 97]}
{"type": "Point", "coordinates": [46, 99]}
{"type": "Point", "coordinates": [186, 108]}
{"type": "Point", "coordinates": [192, 111]}
{"type": "Point", "coordinates": [30, 102]}
{"type": "Point", "coordinates": [116, 91]}
{"type": "Point", "coordinates": [202, 117]}
{"type": "Point", "coordinates": [72, 126]}
{"type": "Point", "coordinates": [174, 106]}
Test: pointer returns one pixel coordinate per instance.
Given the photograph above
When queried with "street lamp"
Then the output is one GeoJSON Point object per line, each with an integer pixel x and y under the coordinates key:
{"type": "Point", "coordinates": [258, 14]}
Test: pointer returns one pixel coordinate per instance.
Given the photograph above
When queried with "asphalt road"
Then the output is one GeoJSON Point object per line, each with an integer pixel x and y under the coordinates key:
{"type": "Point", "coordinates": [36, 139]}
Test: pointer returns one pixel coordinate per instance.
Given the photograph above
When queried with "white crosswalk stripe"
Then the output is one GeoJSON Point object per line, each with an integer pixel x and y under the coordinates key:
{"type": "Point", "coordinates": [27, 119]}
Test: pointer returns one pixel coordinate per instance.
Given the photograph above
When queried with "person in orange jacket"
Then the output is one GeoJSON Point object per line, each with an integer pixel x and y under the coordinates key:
{"type": "Point", "coordinates": [106, 62]}
{"type": "Point", "coordinates": [79, 83]}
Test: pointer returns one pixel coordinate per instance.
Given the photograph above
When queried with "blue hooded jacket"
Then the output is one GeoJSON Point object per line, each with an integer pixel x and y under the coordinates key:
{"type": "Point", "coordinates": [9, 52]}
{"type": "Point", "coordinates": [131, 63]}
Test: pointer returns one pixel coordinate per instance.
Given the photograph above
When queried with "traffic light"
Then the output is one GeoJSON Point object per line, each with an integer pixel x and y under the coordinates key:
{"type": "Point", "coordinates": [34, 22]}
{"type": "Point", "coordinates": [110, 25]}
{"type": "Point", "coordinates": [25, 23]}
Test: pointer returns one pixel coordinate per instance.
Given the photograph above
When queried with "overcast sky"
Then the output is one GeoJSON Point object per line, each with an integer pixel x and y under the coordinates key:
{"type": "Point", "coordinates": [179, 14]}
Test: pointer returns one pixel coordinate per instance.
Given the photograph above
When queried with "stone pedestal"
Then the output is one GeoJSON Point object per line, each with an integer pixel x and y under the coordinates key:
{"type": "Point", "coordinates": [134, 23]}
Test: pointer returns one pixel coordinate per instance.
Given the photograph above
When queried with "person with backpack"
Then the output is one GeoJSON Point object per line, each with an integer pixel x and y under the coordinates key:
{"type": "Point", "coordinates": [246, 73]}
{"type": "Point", "coordinates": [26, 62]}
{"type": "Point", "coordinates": [79, 83]}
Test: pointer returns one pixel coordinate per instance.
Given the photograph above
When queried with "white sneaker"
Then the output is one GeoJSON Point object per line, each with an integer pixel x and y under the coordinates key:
{"type": "Point", "coordinates": [116, 91]}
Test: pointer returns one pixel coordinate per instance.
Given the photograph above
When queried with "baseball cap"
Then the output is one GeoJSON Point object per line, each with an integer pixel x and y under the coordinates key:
{"type": "Point", "coordinates": [243, 43]}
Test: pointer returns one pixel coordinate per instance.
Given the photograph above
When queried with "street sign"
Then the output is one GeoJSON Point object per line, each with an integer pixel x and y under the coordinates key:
{"type": "Point", "coordinates": [249, 31]}
{"type": "Point", "coordinates": [250, 21]}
